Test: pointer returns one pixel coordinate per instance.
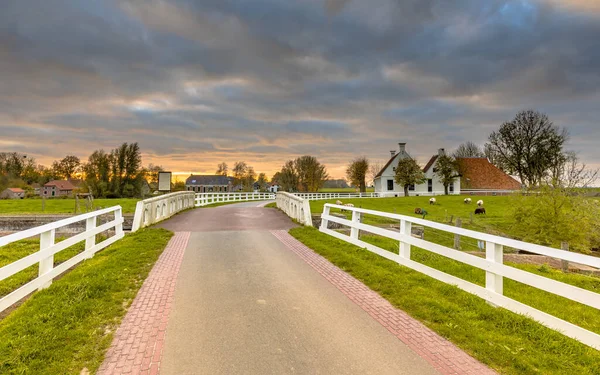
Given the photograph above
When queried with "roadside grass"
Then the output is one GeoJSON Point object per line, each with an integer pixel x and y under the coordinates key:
{"type": "Point", "coordinates": [507, 342]}
{"type": "Point", "coordinates": [60, 206]}
{"type": "Point", "coordinates": [271, 205]}
{"type": "Point", "coordinates": [70, 325]}
{"type": "Point", "coordinates": [343, 190]}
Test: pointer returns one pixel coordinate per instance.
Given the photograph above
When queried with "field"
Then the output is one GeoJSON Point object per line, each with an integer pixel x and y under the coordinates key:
{"type": "Point", "coordinates": [67, 328]}
{"type": "Point", "coordinates": [507, 342]}
{"type": "Point", "coordinates": [60, 206]}
{"type": "Point", "coordinates": [343, 190]}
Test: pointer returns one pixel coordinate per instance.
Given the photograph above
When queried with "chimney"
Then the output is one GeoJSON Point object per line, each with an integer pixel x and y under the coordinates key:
{"type": "Point", "coordinates": [441, 152]}
{"type": "Point", "coordinates": [402, 147]}
{"type": "Point", "coordinates": [393, 153]}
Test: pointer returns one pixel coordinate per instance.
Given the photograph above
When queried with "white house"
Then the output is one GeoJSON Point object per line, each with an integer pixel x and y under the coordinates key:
{"type": "Point", "coordinates": [385, 184]}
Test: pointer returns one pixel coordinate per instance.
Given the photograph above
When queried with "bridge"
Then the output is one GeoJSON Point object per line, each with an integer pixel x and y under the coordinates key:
{"type": "Point", "coordinates": [234, 293]}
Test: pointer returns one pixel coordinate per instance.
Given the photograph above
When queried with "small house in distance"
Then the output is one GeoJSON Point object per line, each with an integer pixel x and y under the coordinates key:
{"type": "Point", "coordinates": [12, 193]}
{"type": "Point", "coordinates": [57, 188]}
{"type": "Point", "coordinates": [209, 184]}
{"type": "Point", "coordinates": [481, 176]}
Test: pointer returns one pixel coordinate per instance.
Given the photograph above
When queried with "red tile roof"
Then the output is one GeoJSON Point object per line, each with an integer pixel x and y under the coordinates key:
{"type": "Point", "coordinates": [480, 174]}
{"type": "Point", "coordinates": [16, 190]}
{"type": "Point", "coordinates": [60, 185]}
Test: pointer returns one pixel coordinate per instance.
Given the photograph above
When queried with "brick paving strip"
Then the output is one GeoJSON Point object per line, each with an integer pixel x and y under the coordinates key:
{"type": "Point", "coordinates": [138, 343]}
{"type": "Point", "coordinates": [444, 356]}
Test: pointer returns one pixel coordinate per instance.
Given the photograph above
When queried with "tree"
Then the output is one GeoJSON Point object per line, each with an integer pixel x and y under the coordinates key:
{"type": "Point", "coordinates": [468, 150]}
{"type": "Point", "coordinates": [239, 172]}
{"type": "Point", "coordinates": [408, 172]}
{"type": "Point", "coordinates": [447, 170]}
{"type": "Point", "coordinates": [374, 170]}
{"type": "Point", "coordinates": [288, 178]}
{"type": "Point", "coordinates": [68, 166]}
{"type": "Point", "coordinates": [530, 146]}
{"type": "Point", "coordinates": [276, 177]}
{"type": "Point", "coordinates": [97, 173]}
{"type": "Point", "coordinates": [249, 178]}
{"type": "Point", "coordinates": [222, 169]}
{"type": "Point", "coordinates": [357, 172]}
{"type": "Point", "coordinates": [311, 174]}
{"type": "Point", "coordinates": [262, 181]}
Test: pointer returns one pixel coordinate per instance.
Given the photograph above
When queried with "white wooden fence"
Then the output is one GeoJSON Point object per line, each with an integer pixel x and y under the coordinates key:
{"type": "Point", "coordinates": [492, 265]}
{"type": "Point", "coordinates": [45, 256]}
{"type": "Point", "coordinates": [295, 207]}
{"type": "Point", "coordinates": [151, 211]}
{"type": "Point", "coordinates": [319, 196]}
{"type": "Point", "coordinates": [204, 199]}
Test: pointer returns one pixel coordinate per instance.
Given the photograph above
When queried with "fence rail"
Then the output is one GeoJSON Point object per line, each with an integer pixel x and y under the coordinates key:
{"type": "Point", "coordinates": [151, 211]}
{"type": "Point", "coordinates": [492, 265]}
{"type": "Point", "coordinates": [319, 196]}
{"type": "Point", "coordinates": [48, 248]}
{"type": "Point", "coordinates": [204, 199]}
{"type": "Point", "coordinates": [295, 207]}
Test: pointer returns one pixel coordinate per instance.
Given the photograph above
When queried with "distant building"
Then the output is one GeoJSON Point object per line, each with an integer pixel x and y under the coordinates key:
{"type": "Point", "coordinates": [478, 174]}
{"type": "Point", "coordinates": [12, 193]}
{"type": "Point", "coordinates": [272, 188]}
{"type": "Point", "coordinates": [57, 188]}
{"type": "Point", "coordinates": [209, 184]}
{"type": "Point", "coordinates": [386, 185]}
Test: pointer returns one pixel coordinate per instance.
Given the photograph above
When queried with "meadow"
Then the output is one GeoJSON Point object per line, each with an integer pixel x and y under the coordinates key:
{"type": "Point", "coordinates": [60, 206]}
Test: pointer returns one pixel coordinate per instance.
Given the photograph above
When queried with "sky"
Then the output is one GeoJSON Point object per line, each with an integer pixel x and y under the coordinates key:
{"type": "Point", "coordinates": [196, 83]}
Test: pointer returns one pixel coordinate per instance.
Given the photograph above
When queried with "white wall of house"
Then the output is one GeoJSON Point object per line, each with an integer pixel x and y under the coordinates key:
{"type": "Point", "coordinates": [432, 186]}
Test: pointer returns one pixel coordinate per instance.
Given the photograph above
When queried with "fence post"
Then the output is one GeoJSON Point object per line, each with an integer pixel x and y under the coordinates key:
{"type": "Point", "coordinates": [494, 253]}
{"type": "Point", "coordinates": [354, 231]}
{"type": "Point", "coordinates": [119, 226]}
{"type": "Point", "coordinates": [405, 230]}
{"type": "Point", "coordinates": [90, 224]}
{"type": "Point", "coordinates": [564, 263]}
{"type": "Point", "coordinates": [457, 236]}
{"type": "Point", "coordinates": [325, 222]}
{"type": "Point", "coordinates": [46, 264]}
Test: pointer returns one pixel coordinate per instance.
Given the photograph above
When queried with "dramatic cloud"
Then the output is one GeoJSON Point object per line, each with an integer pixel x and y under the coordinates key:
{"type": "Point", "coordinates": [200, 82]}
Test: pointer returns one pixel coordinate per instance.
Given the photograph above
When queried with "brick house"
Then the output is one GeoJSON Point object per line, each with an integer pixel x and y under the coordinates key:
{"type": "Point", "coordinates": [478, 174]}
{"type": "Point", "coordinates": [209, 184]}
{"type": "Point", "coordinates": [12, 193]}
{"type": "Point", "coordinates": [57, 188]}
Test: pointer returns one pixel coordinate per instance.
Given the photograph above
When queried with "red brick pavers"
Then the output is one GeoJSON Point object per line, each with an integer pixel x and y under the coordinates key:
{"type": "Point", "coordinates": [444, 356]}
{"type": "Point", "coordinates": [138, 343]}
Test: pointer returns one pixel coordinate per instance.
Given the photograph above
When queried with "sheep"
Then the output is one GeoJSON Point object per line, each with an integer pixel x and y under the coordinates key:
{"type": "Point", "coordinates": [432, 201]}
{"type": "Point", "coordinates": [480, 211]}
{"type": "Point", "coordinates": [468, 200]}
{"type": "Point", "coordinates": [480, 203]}
{"type": "Point", "coordinates": [347, 205]}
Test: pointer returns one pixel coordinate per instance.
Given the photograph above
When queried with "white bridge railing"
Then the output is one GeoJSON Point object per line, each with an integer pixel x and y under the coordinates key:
{"type": "Point", "coordinates": [295, 207]}
{"type": "Point", "coordinates": [319, 196]}
{"type": "Point", "coordinates": [48, 248]}
{"type": "Point", "coordinates": [492, 265]}
{"type": "Point", "coordinates": [204, 199]}
{"type": "Point", "coordinates": [151, 211]}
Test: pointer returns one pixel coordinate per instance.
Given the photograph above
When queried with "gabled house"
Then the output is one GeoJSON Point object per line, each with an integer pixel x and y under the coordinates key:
{"type": "Point", "coordinates": [12, 193]}
{"type": "Point", "coordinates": [478, 174]}
{"type": "Point", "coordinates": [386, 185]}
{"type": "Point", "coordinates": [209, 184]}
{"type": "Point", "coordinates": [57, 188]}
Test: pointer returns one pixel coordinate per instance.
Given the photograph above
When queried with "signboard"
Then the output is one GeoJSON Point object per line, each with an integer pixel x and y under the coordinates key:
{"type": "Point", "coordinates": [164, 181]}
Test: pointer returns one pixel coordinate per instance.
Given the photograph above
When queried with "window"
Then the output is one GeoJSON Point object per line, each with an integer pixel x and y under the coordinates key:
{"type": "Point", "coordinates": [411, 187]}
{"type": "Point", "coordinates": [451, 187]}
{"type": "Point", "coordinates": [390, 184]}
{"type": "Point", "coordinates": [430, 185]}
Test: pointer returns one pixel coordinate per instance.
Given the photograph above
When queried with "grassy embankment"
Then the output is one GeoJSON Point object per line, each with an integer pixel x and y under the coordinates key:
{"type": "Point", "coordinates": [69, 326]}
{"type": "Point", "coordinates": [60, 206]}
{"type": "Point", "coordinates": [507, 342]}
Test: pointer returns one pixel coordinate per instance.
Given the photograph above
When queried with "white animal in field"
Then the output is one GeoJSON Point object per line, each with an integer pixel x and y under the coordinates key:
{"type": "Point", "coordinates": [432, 201]}
{"type": "Point", "coordinates": [468, 200]}
{"type": "Point", "coordinates": [349, 205]}
{"type": "Point", "coordinates": [339, 203]}
{"type": "Point", "coordinates": [480, 203]}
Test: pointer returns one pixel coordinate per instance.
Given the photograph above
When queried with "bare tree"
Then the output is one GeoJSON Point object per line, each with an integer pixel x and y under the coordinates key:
{"type": "Point", "coordinates": [374, 170]}
{"type": "Point", "coordinates": [468, 150]}
{"type": "Point", "coordinates": [357, 172]}
{"type": "Point", "coordinates": [572, 173]}
{"type": "Point", "coordinates": [222, 169]}
{"type": "Point", "coordinates": [239, 172]}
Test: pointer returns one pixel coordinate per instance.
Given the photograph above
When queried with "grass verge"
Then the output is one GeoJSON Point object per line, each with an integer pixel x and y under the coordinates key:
{"type": "Point", "coordinates": [507, 342]}
{"type": "Point", "coordinates": [60, 206]}
{"type": "Point", "coordinates": [69, 326]}
{"type": "Point", "coordinates": [271, 205]}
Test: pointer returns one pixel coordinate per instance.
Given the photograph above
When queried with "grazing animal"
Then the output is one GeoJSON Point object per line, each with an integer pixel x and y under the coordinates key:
{"type": "Point", "coordinates": [468, 200]}
{"type": "Point", "coordinates": [432, 201]}
{"type": "Point", "coordinates": [480, 203]}
{"type": "Point", "coordinates": [339, 203]}
{"type": "Point", "coordinates": [347, 205]}
{"type": "Point", "coordinates": [480, 211]}
{"type": "Point", "coordinates": [418, 211]}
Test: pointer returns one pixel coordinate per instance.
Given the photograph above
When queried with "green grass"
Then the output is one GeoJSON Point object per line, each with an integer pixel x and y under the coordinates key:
{"type": "Point", "coordinates": [271, 205]}
{"type": "Point", "coordinates": [60, 206]}
{"type": "Point", "coordinates": [69, 326]}
{"type": "Point", "coordinates": [343, 190]}
{"type": "Point", "coordinates": [507, 342]}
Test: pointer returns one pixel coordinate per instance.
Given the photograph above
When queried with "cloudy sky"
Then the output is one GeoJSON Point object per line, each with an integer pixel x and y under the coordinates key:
{"type": "Point", "coordinates": [204, 81]}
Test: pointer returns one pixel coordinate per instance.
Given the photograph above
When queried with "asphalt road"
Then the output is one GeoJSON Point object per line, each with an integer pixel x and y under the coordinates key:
{"type": "Point", "coordinates": [244, 304]}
